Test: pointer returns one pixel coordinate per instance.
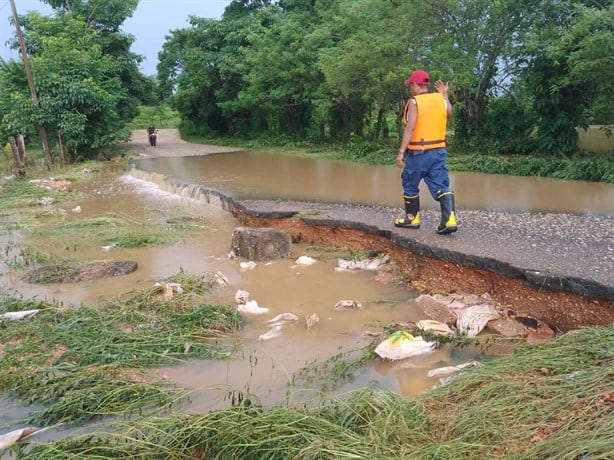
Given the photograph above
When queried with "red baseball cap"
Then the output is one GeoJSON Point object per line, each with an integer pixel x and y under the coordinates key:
{"type": "Point", "coordinates": [419, 77]}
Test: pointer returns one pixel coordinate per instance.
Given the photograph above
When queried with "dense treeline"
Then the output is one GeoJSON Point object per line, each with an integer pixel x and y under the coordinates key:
{"type": "Point", "coordinates": [524, 73]}
{"type": "Point", "coordinates": [86, 78]}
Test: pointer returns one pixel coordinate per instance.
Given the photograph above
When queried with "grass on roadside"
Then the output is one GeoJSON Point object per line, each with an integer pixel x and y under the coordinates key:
{"type": "Point", "coordinates": [543, 401]}
{"type": "Point", "coordinates": [76, 360]}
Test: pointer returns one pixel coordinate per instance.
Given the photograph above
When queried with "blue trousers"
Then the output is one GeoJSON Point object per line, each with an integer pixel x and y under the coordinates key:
{"type": "Point", "coordinates": [429, 165]}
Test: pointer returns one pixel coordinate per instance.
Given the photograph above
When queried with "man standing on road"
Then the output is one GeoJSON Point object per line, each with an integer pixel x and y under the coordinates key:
{"type": "Point", "coordinates": [423, 154]}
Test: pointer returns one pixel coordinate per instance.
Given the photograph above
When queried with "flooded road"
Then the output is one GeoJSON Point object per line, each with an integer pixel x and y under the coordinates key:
{"type": "Point", "coordinates": [262, 369]}
{"type": "Point", "coordinates": [262, 175]}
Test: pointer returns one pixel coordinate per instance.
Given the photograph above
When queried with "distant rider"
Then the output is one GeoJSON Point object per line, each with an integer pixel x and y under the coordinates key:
{"type": "Point", "coordinates": [151, 134]}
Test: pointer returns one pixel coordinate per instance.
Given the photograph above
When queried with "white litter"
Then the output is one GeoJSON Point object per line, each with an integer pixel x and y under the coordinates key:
{"type": "Point", "coordinates": [175, 287]}
{"type": "Point", "coordinates": [251, 306]}
{"type": "Point", "coordinates": [348, 305]}
{"type": "Point", "coordinates": [281, 319]}
{"type": "Point", "coordinates": [17, 315]}
{"type": "Point", "coordinates": [472, 320]}
{"type": "Point", "coordinates": [275, 331]}
{"type": "Point", "coordinates": [312, 320]}
{"type": "Point", "coordinates": [247, 265]}
{"type": "Point", "coordinates": [402, 345]}
{"type": "Point", "coordinates": [447, 370]}
{"type": "Point", "coordinates": [241, 297]}
{"type": "Point", "coordinates": [9, 439]}
{"type": "Point", "coordinates": [305, 260]}
{"type": "Point", "coordinates": [46, 201]}
{"type": "Point", "coordinates": [429, 325]}
{"type": "Point", "coordinates": [363, 264]}
{"type": "Point", "coordinates": [76, 209]}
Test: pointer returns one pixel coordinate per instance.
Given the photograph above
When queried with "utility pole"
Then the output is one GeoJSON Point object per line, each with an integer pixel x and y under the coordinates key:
{"type": "Point", "coordinates": [26, 63]}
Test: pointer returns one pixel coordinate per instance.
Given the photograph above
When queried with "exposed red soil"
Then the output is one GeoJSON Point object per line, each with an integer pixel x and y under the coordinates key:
{"type": "Point", "coordinates": [561, 310]}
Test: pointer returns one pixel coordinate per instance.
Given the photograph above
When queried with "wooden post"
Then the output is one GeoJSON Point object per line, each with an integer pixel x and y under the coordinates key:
{"type": "Point", "coordinates": [19, 160]}
{"type": "Point", "coordinates": [26, 64]}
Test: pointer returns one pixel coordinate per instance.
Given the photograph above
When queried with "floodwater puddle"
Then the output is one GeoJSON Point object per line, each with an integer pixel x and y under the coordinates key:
{"type": "Point", "coordinates": [271, 371]}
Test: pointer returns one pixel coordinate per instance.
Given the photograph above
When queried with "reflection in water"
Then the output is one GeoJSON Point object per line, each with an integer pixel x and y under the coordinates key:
{"type": "Point", "coordinates": [272, 176]}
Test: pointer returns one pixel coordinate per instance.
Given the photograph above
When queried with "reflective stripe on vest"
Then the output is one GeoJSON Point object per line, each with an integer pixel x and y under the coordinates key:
{"type": "Point", "coordinates": [430, 129]}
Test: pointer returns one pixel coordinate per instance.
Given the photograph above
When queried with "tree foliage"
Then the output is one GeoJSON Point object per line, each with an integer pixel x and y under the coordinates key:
{"type": "Point", "coordinates": [524, 74]}
{"type": "Point", "coordinates": [86, 78]}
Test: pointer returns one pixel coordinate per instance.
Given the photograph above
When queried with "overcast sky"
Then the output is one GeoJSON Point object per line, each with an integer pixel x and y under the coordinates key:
{"type": "Point", "coordinates": [151, 22]}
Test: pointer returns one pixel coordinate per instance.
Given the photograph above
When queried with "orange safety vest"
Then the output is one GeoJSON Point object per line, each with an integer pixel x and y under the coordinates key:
{"type": "Point", "coordinates": [430, 129]}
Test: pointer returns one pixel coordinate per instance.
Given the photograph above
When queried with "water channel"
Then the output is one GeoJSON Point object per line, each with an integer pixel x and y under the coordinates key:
{"type": "Point", "coordinates": [264, 368]}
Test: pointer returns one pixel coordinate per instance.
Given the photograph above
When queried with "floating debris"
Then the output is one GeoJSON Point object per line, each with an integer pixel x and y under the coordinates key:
{"type": "Point", "coordinates": [219, 278]}
{"type": "Point", "coordinates": [362, 264]}
{"type": "Point", "coordinates": [312, 320]}
{"type": "Point", "coordinates": [108, 247]}
{"type": "Point", "coordinates": [305, 261]}
{"type": "Point", "coordinates": [231, 255]}
{"type": "Point", "coordinates": [447, 370]}
{"type": "Point", "coordinates": [247, 265]}
{"type": "Point", "coordinates": [76, 209]}
{"type": "Point", "coordinates": [9, 439]}
{"type": "Point", "coordinates": [241, 297]}
{"type": "Point", "coordinates": [430, 325]}
{"type": "Point", "coordinates": [272, 333]}
{"type": "Point", "coordinates": [348, 305]}
{"type": "Point", "coordinates": [251, 306]}
{"type": "Point", "coordinates": [472, 320]}
{"type": "Point", "coordinates": [52, 183]}
{"type": "Point", "coordinates": [46, 201]}
{"type": "Point", "coordinates": [171, 288]}
{"type": "Point", "coordinates": [401, 345]}
{"type": "Point", "coordinates": [281, 319]}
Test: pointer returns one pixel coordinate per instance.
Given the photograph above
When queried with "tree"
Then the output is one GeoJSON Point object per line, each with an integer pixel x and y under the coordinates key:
{"type": "Point", "coordinates": [567, 74]}
{"type": "Point", "coordinates": [87, 80]}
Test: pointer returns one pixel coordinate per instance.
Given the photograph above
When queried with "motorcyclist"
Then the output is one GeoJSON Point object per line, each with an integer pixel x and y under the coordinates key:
{"type": "Point", "coordinates": [152, 134]}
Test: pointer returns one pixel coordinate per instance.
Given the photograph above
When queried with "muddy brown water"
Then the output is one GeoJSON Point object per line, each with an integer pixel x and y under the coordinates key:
{"type": "Point", "coordinates": [258, 368]}
{"type": "Point", "coordinates": [262, 175]}
{"type": "Point", "coordinates": [264, 368]}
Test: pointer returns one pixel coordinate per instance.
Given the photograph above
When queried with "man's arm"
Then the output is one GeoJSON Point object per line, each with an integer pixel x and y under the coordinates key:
{"type": "Point", "coordinates": [412, 117]}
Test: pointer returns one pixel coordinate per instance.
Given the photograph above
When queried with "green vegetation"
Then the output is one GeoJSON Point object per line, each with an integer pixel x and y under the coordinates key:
{"type": "Point", "coordinates": [87, 81]}
{"type": "Point", "coordinates": [343, 82]}
{"type": "Point", "coordinates": [162, 116]}
{"type": "Point", "coordinates": [544, 401]}
{"type": "Point", "coordinates": [578, 167]}
{"type": "Point", "coordinates": [88, 362]}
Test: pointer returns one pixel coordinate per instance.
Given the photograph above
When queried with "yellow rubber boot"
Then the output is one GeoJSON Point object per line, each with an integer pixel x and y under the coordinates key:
{"type": "Point", "coordinates": [412, 213]}
{"type": "Point", "coordinates": [448, 216]}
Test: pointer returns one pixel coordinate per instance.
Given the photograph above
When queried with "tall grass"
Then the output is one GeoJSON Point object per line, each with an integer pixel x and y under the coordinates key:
{"type": "Point", "coordinates": [547, 401]}
{"type": "Point", "coordinates": [85, 362]}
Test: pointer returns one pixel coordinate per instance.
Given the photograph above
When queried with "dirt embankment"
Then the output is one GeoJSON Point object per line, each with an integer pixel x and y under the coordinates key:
{"type": "Point", "coordinates": [560, 310]}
